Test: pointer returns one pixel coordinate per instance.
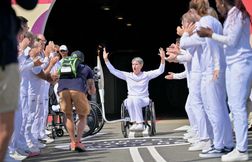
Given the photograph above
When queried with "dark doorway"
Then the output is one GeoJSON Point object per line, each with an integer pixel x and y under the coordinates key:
{"type": "Point", "coordinates": [146, 26]}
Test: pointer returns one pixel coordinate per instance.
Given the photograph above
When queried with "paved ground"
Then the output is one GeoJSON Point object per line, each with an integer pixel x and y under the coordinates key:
{"type": "Point", "coordinates": [110, 146]}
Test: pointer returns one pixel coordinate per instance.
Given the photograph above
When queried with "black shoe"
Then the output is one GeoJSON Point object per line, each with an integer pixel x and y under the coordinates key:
{"type": "Point", "coordinates": [228, 149]}
{"type": "Point", "coordinates": [212, 153]}
{"type": "Point", "coordinates": [250, 128]}
{"type": "Point", "coordinates": [42, 141]}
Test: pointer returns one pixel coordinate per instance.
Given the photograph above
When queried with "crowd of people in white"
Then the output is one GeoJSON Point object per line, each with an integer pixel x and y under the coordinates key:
{"type": "Point", "coordinates": [36, 62]}
{"type": "Point", "coordinates": [217, 59]}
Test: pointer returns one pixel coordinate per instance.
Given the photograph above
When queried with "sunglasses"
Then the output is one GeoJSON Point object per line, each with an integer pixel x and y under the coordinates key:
{"type": "Point", "coordinates": [63, 50]}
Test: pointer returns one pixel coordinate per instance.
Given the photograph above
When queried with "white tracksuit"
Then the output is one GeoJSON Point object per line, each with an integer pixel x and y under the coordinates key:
{"type": "Point", "coordinates": [238, 54]}
{"type": "Point", "coordinates": [39, 121]}
{"type": "Point", "coordinates": [138, 93]}
{"type": "Point", "coordinates": [194, 100]}
{"type": "Point", "coordinates": [34, 85]}
{"type": "Point", "coordinates": [18, 140]}
{"type": "Point", "coordinates": [213, 91]}
{"type": "Point", "coordinates": [185, 58]}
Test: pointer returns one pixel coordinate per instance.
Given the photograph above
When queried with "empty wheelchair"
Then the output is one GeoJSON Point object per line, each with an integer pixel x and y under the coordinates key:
{"type": "Point", "coordinates": [56, 118]}
{"type": "Point", "coordinates": [56, 123]}
{"type": "Point", "coordinates": [149, 117]}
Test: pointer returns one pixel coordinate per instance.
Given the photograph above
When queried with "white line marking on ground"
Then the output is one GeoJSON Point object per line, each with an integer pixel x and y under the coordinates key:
{"type": "Point", "coordinates": [136, 157]}
{"type": "Point", "coordinates": [133, 138]}
{"type": "Point", "coordinates": [183, 128]}
{"type": "Point", "coordinates": [65, 146]}
{"type": "Point", "coordinates": [155, 154]}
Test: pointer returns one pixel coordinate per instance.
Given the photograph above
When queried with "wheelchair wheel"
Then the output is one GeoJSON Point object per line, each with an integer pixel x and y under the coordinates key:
{"type": "Point", "coordinates": [91, 123]}
{"type": "Point", "coordinates": [125, 124]}
{"type": "Point", "coordinates": [152, 114]}
{"type": "Point", "coordinates": [59, 132]}
{"type": "Point", "coordinates": [100, 121]}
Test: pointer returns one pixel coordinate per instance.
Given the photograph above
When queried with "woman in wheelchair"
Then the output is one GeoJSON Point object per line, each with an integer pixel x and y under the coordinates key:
{"type": "Point", "coordinates": [137, 86]}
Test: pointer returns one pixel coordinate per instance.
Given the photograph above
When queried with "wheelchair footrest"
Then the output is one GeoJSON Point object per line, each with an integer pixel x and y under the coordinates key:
{"type": "Point", "coordinates": [144, 133]}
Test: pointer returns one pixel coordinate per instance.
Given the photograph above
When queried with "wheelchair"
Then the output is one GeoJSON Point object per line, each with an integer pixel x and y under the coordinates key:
{"type": "Point", "coordinates": [148, 115]}
{"type": "Point", "coordinates": [94, 124]}
{"type": "Point", "coordinates": [58, 120]}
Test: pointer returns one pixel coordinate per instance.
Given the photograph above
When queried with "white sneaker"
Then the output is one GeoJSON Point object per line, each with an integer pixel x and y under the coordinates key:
{"type": "Point", "coordinates": [48, 139]}
{"type": "Point", "coordinates": [189, 129]}
{"type": "Point", "coordinates": [8, 158]}
{"type": "Point", "coordinates": [139, 127]}
{"type": "Point", "coordinates": [198, 146]}
{"type": "Point", "coordinates": [133, 127]}
{"type": "Point", "coordinates": [17, 156]}
{"type": "Point", "coordinates": [193, 140]}
{"type": "Point", "coordinates": [235, 155]}
{"type": "Point", "coordinates": [47, 132]}
{"type": "Point", "coordinates": [22, 151]}
{"type": "Point", "coordinates": [189, 135]}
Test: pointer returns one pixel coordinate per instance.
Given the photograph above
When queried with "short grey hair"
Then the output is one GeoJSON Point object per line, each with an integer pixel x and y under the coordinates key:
{"type": "Point", "coordinates": [138, 59]}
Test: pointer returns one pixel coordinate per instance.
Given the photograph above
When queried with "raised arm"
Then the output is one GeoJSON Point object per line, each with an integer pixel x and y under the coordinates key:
{"type": "Point", "coordinates": [190, 38]}
{"type": "Point", "coordinates": [155, 73]}
{"type": "Point", "coordinates": [117, 73]}
{"type": "Point", "coordinates": [162, 55]}
{"type": "Point", "coordinates": [176, 54]}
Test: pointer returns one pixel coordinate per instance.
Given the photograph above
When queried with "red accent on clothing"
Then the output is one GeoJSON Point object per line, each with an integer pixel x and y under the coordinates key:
{"type": "Point", "coordinates": [248, 6]}
{"type": "Point", "coordinates": [39, 1]}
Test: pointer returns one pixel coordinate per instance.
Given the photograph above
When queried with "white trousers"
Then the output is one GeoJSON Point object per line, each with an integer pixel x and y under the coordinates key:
{"type": "Point", "coordinates": [32, 103]}
{"type": "Point", "coordinates": [38, 117]}
{"type": "Point", "coordinates": [214, 99]}
{"type": "Point", "coordinates": [134, 105]}
{"type": "Point", "coordinates": [239, 78]}
{"type": "Point", "coordinates": [25, 113]}
{"type": "Point", "coordinates": [44, 113]}
{"type": "Point", "coordinates": [196, 104]}
{"type": "Point", "coordinates": [18, 139]}
{"type": "Point", "coordinates": [191, 115]}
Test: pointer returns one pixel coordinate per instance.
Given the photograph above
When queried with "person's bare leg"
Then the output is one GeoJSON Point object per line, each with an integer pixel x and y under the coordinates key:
{"type": "Point", "coordinates": [6, 130]}
{"type": "Point", "coordinates": [81, 126]}
{"type": "Point", "coordinates": [70, 127]}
